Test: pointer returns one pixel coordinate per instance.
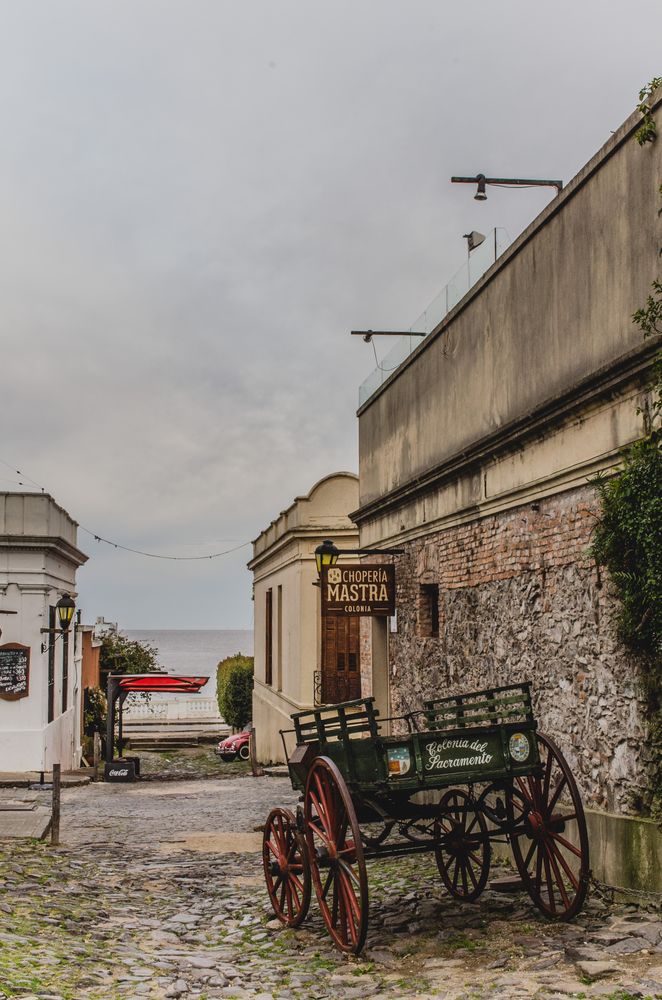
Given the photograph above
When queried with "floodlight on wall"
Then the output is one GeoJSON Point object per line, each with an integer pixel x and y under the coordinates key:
{"type": "Point", "coordinates": [367, 335]}
{"type": "Point", "coordinates": [473, 239]}
{"type": "Point", "coordinates": [481, 180]}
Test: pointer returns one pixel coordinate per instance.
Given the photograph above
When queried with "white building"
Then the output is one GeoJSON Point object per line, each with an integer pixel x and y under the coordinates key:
{"type": "Point", "coordinates": [301, 659]}
{"type": "Point", "coordinates": [39, 692]}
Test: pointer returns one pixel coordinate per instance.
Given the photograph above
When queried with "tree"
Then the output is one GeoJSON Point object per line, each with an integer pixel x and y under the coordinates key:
{"type": "Point", "coordinates": [121, 655]}
{"type": "Point", "coordinates": [234, 689]}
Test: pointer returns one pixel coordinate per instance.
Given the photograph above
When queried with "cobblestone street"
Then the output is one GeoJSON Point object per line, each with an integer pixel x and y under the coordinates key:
{"type": "Point", "coordinates": [157, 892]}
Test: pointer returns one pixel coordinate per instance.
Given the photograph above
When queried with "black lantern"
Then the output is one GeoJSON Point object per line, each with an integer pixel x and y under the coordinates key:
{"type": "Point", "coordinates": [326, 554]}
{"type": "Point", "coordinates": [65, 611]}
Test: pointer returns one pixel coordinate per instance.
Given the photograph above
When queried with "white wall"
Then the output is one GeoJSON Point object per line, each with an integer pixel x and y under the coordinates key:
{"type": "Point", "coordinates": [38, 562]}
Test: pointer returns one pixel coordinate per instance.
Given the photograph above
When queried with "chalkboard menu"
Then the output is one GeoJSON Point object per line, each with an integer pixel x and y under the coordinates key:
{"type": "Point", "coordinates": [14, 671]}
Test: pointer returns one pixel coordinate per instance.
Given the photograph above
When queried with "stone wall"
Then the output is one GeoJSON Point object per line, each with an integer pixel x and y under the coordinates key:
{"type": "Point", "coordinates": [521, 599]}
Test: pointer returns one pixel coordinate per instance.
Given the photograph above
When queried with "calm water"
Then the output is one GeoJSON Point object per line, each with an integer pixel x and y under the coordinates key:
{"type": "Point", "coordinates": [195, 651]}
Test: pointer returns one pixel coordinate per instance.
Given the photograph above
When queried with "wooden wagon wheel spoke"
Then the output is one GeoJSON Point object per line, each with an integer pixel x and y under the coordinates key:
{"type": "Point", "coordinates": [548, 878]}
{"type": "Point", "coordinates": [288, 895]}
{"type": "Point", "coordinates": [316, 822]}
{"type": "Point", "coordinates": [349, 892]}
{"type": "Point", "coordinates": [462, 855]}
{"type": "Point", "coordinates": [341, 833]}
{"type": "Point", "coordinates": [557, 791]}
{"type": "Point", "coordinates": [548, 776]}
{"type": "Point", "coordinates": [321, 804]}
{"type": "Point", "coordinates": [470, 873]}
{"type": "Point", "coordinates": [286, 868]}
{"type": "Point", "coordinates": [566, 843]}
{"type": "Point", "coordinates": [555, 853]}
{"type": "Point", "coordinates": [559, 881]}
{"type": "Point", "coordinates": [348, 929]}
{"type": "Point", "coordinates": [530, 854]}
{"type": "Point", "coordinates": [474, 857]}
{"type": "Point", "coordinates": [550, 848]}
{"type": "Point", "coordinates": [327, 884]}
{"type": "Point", "coordinates": [339, 874]}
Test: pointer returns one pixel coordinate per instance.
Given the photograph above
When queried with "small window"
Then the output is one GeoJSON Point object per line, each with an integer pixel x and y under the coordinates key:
{"type": "Point", "coordinates": [352, 662]}
{"type": "Point", "coordinates": [341, 661]}
{"type": "Point", "coordinates": [268, 638]}
{"type": "Point", "coordinates": [428, 611]}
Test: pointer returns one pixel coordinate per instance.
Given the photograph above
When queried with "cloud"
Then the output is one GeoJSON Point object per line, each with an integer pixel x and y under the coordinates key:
{"type": "Point", "coordinates": [200, 200]}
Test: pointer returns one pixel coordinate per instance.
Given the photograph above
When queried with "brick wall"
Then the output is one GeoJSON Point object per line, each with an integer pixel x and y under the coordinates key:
{"type": "Point", "coordinates": [521, 599]}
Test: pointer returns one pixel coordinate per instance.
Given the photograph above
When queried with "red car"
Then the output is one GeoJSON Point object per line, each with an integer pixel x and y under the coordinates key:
{"type": "Point", "coordinates": [235, 746]}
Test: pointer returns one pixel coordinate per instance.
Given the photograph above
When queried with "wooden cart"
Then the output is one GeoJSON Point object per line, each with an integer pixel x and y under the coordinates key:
{"type": "Point", "coordinates": [486, 775]}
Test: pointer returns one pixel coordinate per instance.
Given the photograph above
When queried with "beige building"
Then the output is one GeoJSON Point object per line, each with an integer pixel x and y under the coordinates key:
{"type": "Point", "coordinates": [300, 660]}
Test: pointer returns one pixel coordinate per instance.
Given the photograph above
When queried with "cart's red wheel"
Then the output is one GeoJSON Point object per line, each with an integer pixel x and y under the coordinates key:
{"type": "Point", "coordinates": [463, 849]}
{"type": "Point", "coordinates": [337, 865]}
{"type": "Point", "coordinates": [550, 842]}
{"type": "Point", "coordinates": [286, 868]}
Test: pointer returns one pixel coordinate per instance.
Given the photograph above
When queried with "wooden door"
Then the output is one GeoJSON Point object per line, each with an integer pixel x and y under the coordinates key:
{"type": "Point", "coordinates": [341, 658]}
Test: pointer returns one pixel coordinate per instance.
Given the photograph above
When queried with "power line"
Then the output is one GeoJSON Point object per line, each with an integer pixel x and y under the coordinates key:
{"type": "Point", "coordinates": [126, 548]}
{"type": "Point", "coordinates": [23, 475]}
{"type": "Point", "coordinates": [154, 555]}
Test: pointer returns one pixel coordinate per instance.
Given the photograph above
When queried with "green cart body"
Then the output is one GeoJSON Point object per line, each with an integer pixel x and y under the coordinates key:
{"type": "Point", "coordinates": [465, 771]}
{"type": "Point", "coordinates": [465, 739]}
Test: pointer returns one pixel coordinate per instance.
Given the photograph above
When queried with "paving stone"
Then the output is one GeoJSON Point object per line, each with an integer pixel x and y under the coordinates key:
{"type": "Point", "coordinates": [597, 970]}
{"type": "Point", "coordinates": [651, 930]}
{"type": "Point", "coordinates": [629, 946]}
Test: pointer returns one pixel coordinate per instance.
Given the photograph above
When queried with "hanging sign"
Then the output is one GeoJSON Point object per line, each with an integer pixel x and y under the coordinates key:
{"type": "Point", "coordinates": [14, 671]}
{"type": "Point", "coordinates": [365, 589]}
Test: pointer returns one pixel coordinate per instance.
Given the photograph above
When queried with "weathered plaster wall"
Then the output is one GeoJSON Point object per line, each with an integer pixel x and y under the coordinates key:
{"type": "Point", "coordinates": [549, 317]}
{"type": "Point", "coordinates": [520, 599]}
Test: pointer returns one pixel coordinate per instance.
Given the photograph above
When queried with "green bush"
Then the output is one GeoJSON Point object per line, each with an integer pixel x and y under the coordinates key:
{"type": "Point", "coordinates": [628, 540]}
{"type": "Point", "coordinates": [234, 689]}
{"type": "Point", "coordinates": [94, 711]}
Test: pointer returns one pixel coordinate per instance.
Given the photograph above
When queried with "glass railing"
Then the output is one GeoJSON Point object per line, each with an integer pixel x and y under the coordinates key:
{"type": "Point", "coordinates": [480, 260]}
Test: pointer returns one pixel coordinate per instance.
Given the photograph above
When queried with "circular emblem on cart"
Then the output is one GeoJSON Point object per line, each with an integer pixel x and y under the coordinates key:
{"type": "Point", "coordinates": [519, 747]}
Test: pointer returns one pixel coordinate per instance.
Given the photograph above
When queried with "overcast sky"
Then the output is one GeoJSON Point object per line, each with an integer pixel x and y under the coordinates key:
{"type": "Point", "coordinates": [198, 201]}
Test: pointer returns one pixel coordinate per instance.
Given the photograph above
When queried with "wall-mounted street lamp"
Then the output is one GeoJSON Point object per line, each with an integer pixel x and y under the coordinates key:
{"type": "Point", "coordinates": [327, 554]}
{"type": "Point", "coordinates": [65, 608]}
{"type": "Point", "coordinates": [480, 180]}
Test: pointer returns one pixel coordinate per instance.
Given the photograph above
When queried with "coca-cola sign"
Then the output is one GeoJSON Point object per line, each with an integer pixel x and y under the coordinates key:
{"type": "Point", "coordinates": [120, 770]}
